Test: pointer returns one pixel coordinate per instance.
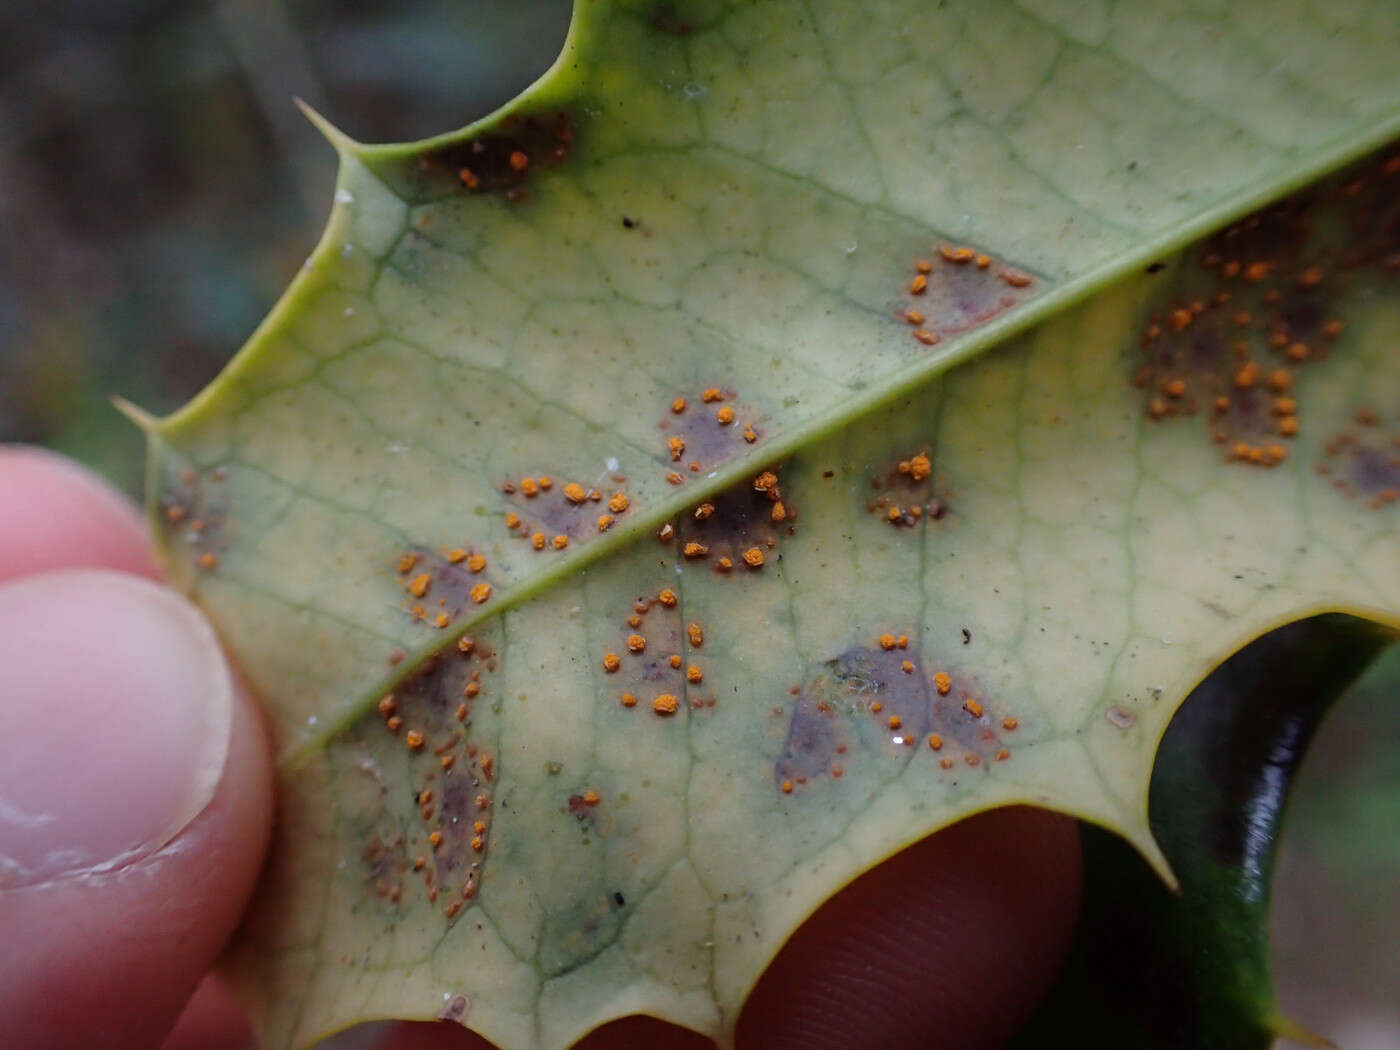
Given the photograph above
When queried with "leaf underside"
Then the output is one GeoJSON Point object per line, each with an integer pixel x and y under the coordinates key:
{"type": "Point", "coordinates": [632, 541]}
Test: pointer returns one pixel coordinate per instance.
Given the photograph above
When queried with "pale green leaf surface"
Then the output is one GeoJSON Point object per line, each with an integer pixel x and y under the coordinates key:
{"type": "Point", "coordinates": [781, 167]}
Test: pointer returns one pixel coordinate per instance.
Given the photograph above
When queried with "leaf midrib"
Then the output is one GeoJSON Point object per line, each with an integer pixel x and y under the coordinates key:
{"type": "Point", "coordinates": [914, 374]}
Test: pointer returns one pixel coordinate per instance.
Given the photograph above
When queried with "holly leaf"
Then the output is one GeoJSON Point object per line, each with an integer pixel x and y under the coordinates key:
{"type": "Point", "coordinates": [634, 535]}
{"type": "Point", "coordinates": [1155, 968]}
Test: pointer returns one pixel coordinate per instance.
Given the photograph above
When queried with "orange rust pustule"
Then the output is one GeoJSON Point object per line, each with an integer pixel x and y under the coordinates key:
{"type": "Point", "coordinates": [703, 429]}
{"type": "Point", "coordinates": [1362, 461]}
{"type": "Point", "coordinates": [741, 527]}
{"type": "Point", "coordinates": [909, 492]}
{"type": "Point", "coordinates": [552, 507]}
{"type": "Point", "coordinates": [500, 161]}
{"type": "Point", "coordinates": [193, 514]}
{"type": "Point", "coordinates": [953, 289]}
{"type": "Point", "coordinates": [882, 702]}
{"type": "Point", "coordinates": [1256, 305]}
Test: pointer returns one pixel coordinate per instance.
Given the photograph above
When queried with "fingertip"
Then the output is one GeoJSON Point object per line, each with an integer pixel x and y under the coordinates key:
{"type": "Point", "coordinates": [212, 1020]}
{"type": "Point", "coordinates": [430, 1035]}
{"type": "Point", "coordinates": [56, 514]}
{"type": "Point", "coordinates": [110, 957]}
{"type": "Point", "coordinates": [114, 731]}
{"type": "Point", "coordinates": [949, 944]}
{"type": "Point", "coordinates": [643, 1033]}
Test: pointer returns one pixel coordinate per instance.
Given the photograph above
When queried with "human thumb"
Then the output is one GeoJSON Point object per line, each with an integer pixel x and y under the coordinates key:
{"type": "Point", "coordinates": [135, 803]}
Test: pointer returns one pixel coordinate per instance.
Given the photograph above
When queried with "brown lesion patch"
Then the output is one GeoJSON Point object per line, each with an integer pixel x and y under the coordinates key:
{"type": "Point", "coordinates": [667, 17]}
{"type": "Point", "coordinates": [1362, 461]}
{"type": "Point", "coordinates": [966, 725]}
{"type": "Point", "coordinates": [385, 865]}
{"type": "Point", "coordinates": [909, 492]}
{"type": "Point", "coordinates": [430, 716]}
{"type": "Point", "coordinates": [885, 683]}
{"type": "Point", "coordinates": [702, 430]}
{"type": "Point", "coordinates": [439, 586]}
{"type": "Point", "coordinates": [500, 161]}
{"type": "Point", "coordinates": [1249, 315]}
{"type": "Point", "coordinates": [954, 289]}
{"type": "Point", "coordinates": [552, 514]}
{"type": "Point", "coordinates": [1260, 303]}
{"type": "Point", "coordinates": [883, 702]}
{"type": "Point", "coordinates": [656, 661]}
{"type": "Point", "coordinates": [737, 531]}
{"type": "Point", "coordinates": [193, 514]}
{"type": "Point", "coordinates": [817, 746]}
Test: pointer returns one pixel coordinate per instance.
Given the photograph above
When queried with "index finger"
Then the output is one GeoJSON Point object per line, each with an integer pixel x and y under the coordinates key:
{"type": "Point", "coordinates": [55, 514]}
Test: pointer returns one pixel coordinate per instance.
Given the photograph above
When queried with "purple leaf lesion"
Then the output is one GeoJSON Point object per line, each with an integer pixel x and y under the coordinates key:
{"type": "Point", "coordinates": [655, 660]}
{"type": "Point", "coordinates": [885, 703]}
{"type": "Point", "coordinates": [738, 530]}
{"type": "Point", "coordinates": [436, 587]}
{"type": "Point", "coordinates": [1362, 460]}
{"type": "Point", "coordinates": [954, 289]}
{"type": "Point", "coordinates": [440, 849]}
{"type": "Point", "coordinates": [551, 514]}
{"type": "Point", "coordinates": [1258, 306]}
{"type": "Point", "coordinates": [499, 162]}
{"type": "Point", "coordinates": [702, 430]}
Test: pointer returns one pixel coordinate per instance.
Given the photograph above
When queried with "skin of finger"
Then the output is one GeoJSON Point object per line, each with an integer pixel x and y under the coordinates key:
{"type": "Point", "coordinates": [949, 944]}
{"type": "Point", "coordinates": [55, 514]}
{"type": "Point", "coordinates": [627, 1033]}
{"type": "Point", "coordinates": [212, 1020]}
{"type": "Point", "coordinates": [110, 959]}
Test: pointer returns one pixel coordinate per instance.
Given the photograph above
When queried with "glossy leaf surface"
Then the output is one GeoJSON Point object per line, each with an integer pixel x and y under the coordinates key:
{"type": "Point", "coordinates": [1156, 969]}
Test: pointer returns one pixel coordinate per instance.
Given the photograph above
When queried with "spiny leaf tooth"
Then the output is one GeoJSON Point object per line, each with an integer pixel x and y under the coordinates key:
{"type": "Point", "coordinates": [1287, 1028]}
{"type": "Point", "coordinates": [138, 415]}
{"type": "Point", "coordinates": [342, 142]}
{"type": "Point", "coordinates": [1142, 840]}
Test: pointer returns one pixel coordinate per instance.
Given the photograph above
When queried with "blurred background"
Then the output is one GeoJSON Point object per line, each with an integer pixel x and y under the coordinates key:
{"type": "Point", "coordinates": [158, 189]}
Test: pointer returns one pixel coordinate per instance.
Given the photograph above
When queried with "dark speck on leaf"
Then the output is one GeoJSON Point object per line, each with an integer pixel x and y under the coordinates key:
{"type": "Point", "coordinates": [619, 899]}
{"type": "Point", "coordinates": [628, 223]}
{"type": "Point", "coordinates": [967, 636]}
{"type": "Point", "coordinates": [1157, 267]}
{"type": "Point", "coordinates": [666, 19]}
